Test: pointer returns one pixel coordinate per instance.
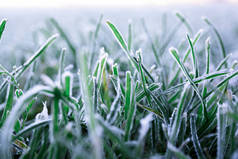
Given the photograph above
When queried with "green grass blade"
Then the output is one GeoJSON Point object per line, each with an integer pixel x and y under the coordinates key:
{"type": "Point", "coordinates": [2, 26]}
{"type": "Point", "coordinates": [221, 131]}
{"type": "Point", "coordinates": [8, 107]}
{"type": "Point", "coordinates": [218, 37]}
{"type": "Point", "coordinates": [96, 32]}
{"type": "Point", "coordinates": [152, 43]}
{"type": "Point", "coordinates": [19, 107]}
{"type": "Point", "coordinates": [144, 83]}
{"type": "Point", "coordinates": [223, 62]}
{"type": "Point", "coordinates": [178, 153]}
{"type": "Point", "coordinates": [98, 26]}
{"type": "Point", "coordinates": [40, 51]}
{"type": "Point", "coordinates": [64, 36]}
{"type": "Point", "coordinates": [128, 94]}
{"type": "Point", "coordinates": [196, 38]}
{"type": "Point", "coordinates": [31, 127]}
{"type": "Point", "coordinates": [86, 92]}
{"type": "Point", "coordinates": [177, 121]}
{"type": "Point", "coordinates": [195, 139]}
{"type": "Point", "coordinates": [131, 114]}
{"type": "Point", "coordinates": [184, 20]}
{"type": "Point", "coordinates": [208, 52]}
{"type": "Point", "coordinates": [115, 107]}
{"type": "Point", "coordinates": [61, 65]}
{"type": "Point", "coordinates": [145, 124]}
{"type": "Point", "coordinates": [118, 36]}
{"type": "Point", "coordinates": [151, 88]}
{"type": "Point", "coordinates": [184, 70]}
{"type": "Point", "coordinates": [129, 36]}
{"type": "Point", "coordinates": [122, 43]}
{"type": "Point", "coordinates": [195, 66]}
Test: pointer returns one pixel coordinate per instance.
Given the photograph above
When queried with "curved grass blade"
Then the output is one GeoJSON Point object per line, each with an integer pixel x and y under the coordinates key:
{"type": "Point", "coordinates": [145, 124]}
{"type": "Point", "coordinates": [151, 41]}
{"type": "Point", "coordinates": [143, 78]}
{"type": "Point", "coordinates": [185, 72]}
{"type": "Point", "coordinates": [223, 62]}
{"type": "Point", "coordinates": [184, 20]}
{"type": "Point", "coordinates": [115, 107]}
{"type": "Point", "coordinates": [118, 36]}
{"type": "Point", "coordinates": [8, 107]}
{"type": "Point", "coordinates": [195, 66]}
{"type": "Point", "coordinates": [178, 117]}
{"type": "Point", "coordinates": [2, 27]}
{"type": "Point", "coordinates": [20, 70]}
{"type": "Point", "coordinates": [7, 129]}
{"type": "Point", "coordinates": [151, 88]}
{"type": "Point", "coordinates": [96, 32]}
{"type": "Point", "coordinates": [198, 80]}
{"type": "Point", "coordinates": [218, 37]}
{"type": "Point", "coordinates": [61, 65]}
{"type": "Point", "coordinates": [161, 107]}
{"type": "Point", "coordinates": [178, 153]}
{"type": "Point", "coordinates": [64, 36]}
{"type": "Point", "coordinates": [31, 127]}
{"type": "Point", "coordinates": [196, 38]}
{"type": "Point", "coordinates": [122, 43]}
{"type": "Point", "coordinates": [37, 54]}
{"type": "Point", "coordinates": [195, 140]}
{"type": "Point", "coordinates": [170, 37]}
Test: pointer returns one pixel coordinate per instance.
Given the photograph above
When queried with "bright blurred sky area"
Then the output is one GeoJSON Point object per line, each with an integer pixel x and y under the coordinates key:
{"type": "Point", "coordinates": [101, 3]}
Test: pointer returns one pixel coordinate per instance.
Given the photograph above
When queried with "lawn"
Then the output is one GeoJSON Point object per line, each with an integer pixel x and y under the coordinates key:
{"type": "Point", "coordinates": [136, 93]}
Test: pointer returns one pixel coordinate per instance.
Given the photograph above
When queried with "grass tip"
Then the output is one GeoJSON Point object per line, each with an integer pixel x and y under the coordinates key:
{"type": "Point", "coordinates": [108, 22]}
{"type": "Point", "coordinates": [115, 65]}
{"type": "Point", "coordinates": [208, 41]}
{"type": "Point", "coordinates": [172, 49]}
{"type": "Point", "coordinates": [200, 31]}
{"type": "Point", "coordinates": [187, 35]}
{"type": "Point", "coordinates": [178, 13]}
{"type": "Point", "coordinates": [128, 73]}
{"type": "Point", "coordinates": [63, 49]}
{"type": "Point", "coordinates": [4, 20]}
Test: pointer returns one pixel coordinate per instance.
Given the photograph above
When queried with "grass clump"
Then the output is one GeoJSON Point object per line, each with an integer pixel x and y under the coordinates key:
{"type": "Point", "coordinates": [116, 107]}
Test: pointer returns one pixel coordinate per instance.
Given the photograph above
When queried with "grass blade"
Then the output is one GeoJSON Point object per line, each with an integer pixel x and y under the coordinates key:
{"type": "Point", "coordinates": [151, 41]}
{"type": "Point", "coordinates": [208, 52]}
{"type": "Point", "coordinates": [64, 36]}
{"type": "Point", "coordinates": [8, 107]}
{"type": "Point", "coordinates": [131, 114]}
{"type": "Point", "coordinates": [221, 131]}
{"type": "Point", "coordinates": [183, 20]}
{"type": "Point", "coordinates": [2, 27]}
{"type": "Point", "coordinates": [6, 134]}
{"type": "Point", "coordinates": [31, 127]}
{"type": "Point", "coordinates": [218, 37]}
{"type": "Point", "coordinates": [118, 36]}
{"type": "Point", "coordinates": [184, 70]}
{"type": "Point", "coordinates": [128, 94]}
{"type": "Point", "coordinates": [195, 140]}
{"type": "Point", "coordinates": [178, 153]}
{"type": "Point", "coordinates": [86, 92]}
{"type": "Point", "coordinates": [129, 36]}
{"type": "Point", "coordinates": [195, 66]}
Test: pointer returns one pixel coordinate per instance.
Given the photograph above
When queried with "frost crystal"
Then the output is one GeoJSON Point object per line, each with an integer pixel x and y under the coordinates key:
{"type": "Point", "coordinates": [43, 115]}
